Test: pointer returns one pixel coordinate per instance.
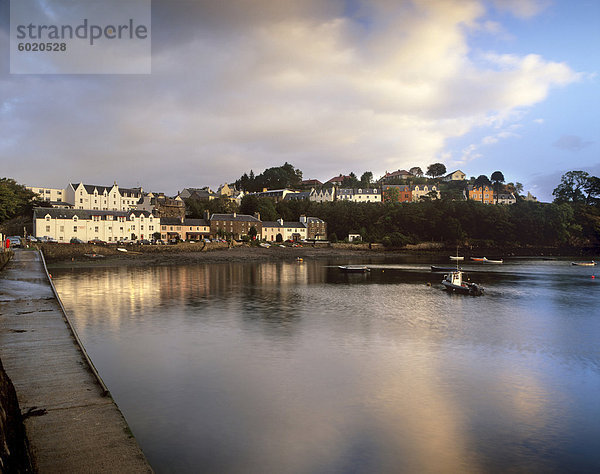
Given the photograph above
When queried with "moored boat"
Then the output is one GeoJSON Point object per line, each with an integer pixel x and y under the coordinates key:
{"type": "Point", "coordinates": [437, 268]}
{"type": "Point", "coordinates": [453, 282]}
{"type": "Point", "coordinates": [354, 268]}
{"type": "Point", "coordinates": [485, 260]}
{"type": "Point", "coordinates": [584, 264]}
{"type": "Point", "coordinates": [456, 257]}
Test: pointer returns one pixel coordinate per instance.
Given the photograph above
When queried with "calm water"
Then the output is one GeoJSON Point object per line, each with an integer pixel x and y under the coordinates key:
{"type": "Point", "coordinates": [296, 367]}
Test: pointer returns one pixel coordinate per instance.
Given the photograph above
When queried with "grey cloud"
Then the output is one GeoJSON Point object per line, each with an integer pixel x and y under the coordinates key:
{"type": "Point", "coordinates": [571, 143]}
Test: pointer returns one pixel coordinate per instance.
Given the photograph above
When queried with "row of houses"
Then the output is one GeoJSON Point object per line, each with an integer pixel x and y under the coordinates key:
{"type": "Point", "coordinates": [64, 224]}
{"type": "Point", "coordinates": [387, 178]}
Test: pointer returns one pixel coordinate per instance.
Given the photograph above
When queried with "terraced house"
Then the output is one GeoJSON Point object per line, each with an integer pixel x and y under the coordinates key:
{"type": "Point", "coordinates": [86, 225]}
{"type": "Point", "coordinates": [102, 198]}
{"type": "Point", "coordinates": [183, 229]}
{"type": "Point", "coordinates": [358, 195]}
{"type": "Point", "coordinates": [234, 224]}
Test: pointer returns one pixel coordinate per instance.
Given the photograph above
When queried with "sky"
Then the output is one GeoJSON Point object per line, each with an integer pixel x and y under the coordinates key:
{"type": "Point", "coordinates": [330, 86]}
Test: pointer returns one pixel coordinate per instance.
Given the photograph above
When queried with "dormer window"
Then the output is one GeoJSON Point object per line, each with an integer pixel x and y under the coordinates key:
{"type": "Point", "coordinates": [47, 218]}
{"type": "Point", "coordinates": [75, 218]}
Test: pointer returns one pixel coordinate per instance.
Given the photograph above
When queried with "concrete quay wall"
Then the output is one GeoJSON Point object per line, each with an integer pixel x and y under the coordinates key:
{"type": "Point", "coordinates": [71, 422]}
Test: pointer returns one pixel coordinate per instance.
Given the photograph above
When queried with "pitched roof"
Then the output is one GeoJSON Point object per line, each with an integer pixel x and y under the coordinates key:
{"type": "Point", "coordinates": [234, 217]}
{"type": "Point", "coordinates": [61, 213]}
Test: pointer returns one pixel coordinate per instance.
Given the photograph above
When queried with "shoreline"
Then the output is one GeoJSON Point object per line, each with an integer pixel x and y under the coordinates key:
{"type": "Point", "coordinates": [58, 255]}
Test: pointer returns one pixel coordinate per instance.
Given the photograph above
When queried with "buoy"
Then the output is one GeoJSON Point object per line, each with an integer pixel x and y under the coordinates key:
{"type": "Point", "coordinates": [593, 276]}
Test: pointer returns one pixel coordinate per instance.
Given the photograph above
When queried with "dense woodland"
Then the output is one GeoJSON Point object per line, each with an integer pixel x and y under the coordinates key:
{"type": "Point", "coordinates": [573, 219]}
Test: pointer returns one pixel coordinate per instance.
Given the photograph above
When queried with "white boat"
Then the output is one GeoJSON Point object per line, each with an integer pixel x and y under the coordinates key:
{"type": "Point", "coordinates": [485, 260]}
{"type": "Point", "coordinates": [354, 268]}
{"type": "Point", "coordinates": [453, 257]}
{"type": "Point", "coordinates": [584, 264]}
{"type": "Point", "coordinates": [121, 249]}
{"type": "Point", "coordinates": [453, 282]}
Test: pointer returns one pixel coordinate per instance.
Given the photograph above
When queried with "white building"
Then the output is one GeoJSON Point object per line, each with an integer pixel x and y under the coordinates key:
{"type": "Point", "coordinates": [420, 190]}
{"type": "Point", "coordinates": [86, 225]}
{"type": "Point", "coordinates": [287, 230]}
{"type": "Point", "coordinates": [507, 198]}
{"type": "Point", "coordinates": [53, 195]}
{"type": "Point", "coordinates": [102, 198]}
{"type": "Point", "coordinates": [322, 195]}
{"type": "Point", "coordinates": [359, 195]}
{"type": "Point", "coordinates": [457, 175]}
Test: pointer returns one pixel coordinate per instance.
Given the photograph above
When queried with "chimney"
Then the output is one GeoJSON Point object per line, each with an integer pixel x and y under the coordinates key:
{"type": "Point", "coordinates": [257, 215]}
{"type": "Point", "coordinates": [303, 218]}
{"type": "Point", "coordinates": [206, 215]}
{"type": "Point", "coordinates": [280, 221]}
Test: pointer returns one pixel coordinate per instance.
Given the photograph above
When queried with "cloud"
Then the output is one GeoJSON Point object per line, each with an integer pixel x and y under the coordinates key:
{"type": "Point", "coordinates": [571, 143]}
{"type": "Point", "coordinates": [239, 85]}
{"type": "Point", "coordinates": [522, 8]}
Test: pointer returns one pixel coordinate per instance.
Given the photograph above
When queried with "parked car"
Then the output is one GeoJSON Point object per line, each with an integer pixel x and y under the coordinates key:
{"type": "Point", "coordinates": [42, 239]}
{"type": "Point", "coordinates": [144, 242]}
{"type": "Point", "coordinates": [75, 240]}
{"type": "Point", "coordinates": [32, 239]}
{"type": "Point", "coordinates": [15, 241]}
{"type": "Point", "coordinates": [96, 242]}
{"type": "Point", "coordinates": [51, 240]}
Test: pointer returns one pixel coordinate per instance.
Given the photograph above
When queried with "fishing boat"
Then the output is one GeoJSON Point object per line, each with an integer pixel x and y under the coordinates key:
{"type": "Point", "coordinates": [354, 268]}
{"type": "Point", "coordinates": [456, 257]}
{"type": "Point", "coordinates": [584, 264]}
{"type": "Point", "coordinates": [453, 282]}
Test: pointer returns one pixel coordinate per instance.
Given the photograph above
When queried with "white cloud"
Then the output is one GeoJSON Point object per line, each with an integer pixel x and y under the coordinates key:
{"type": "Point", "coordinates": [382, 89]}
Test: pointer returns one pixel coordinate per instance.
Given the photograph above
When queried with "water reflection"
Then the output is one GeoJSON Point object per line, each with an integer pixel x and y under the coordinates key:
{"type": "Point", "coordinates": [288, 367]}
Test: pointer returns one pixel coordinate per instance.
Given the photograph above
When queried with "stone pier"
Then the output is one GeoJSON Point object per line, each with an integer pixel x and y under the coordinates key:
{"type": "Point", "coordinates": [71, 424]}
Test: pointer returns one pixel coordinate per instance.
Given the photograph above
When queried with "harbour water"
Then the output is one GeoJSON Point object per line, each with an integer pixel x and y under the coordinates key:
{"type": "Point", "coordinates": [298, 367]}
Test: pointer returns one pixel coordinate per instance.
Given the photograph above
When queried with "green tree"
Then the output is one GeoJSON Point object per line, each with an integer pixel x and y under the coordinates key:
{"type": "Point", "coordinates": [416, 171]}
{"type": "Point", "coordinates": [15, 199]}
{"type": "Point", "coordinates": [571, 188]}
{"type": "Point", "coordinates": [252, 232]}
{"type": "Point", "coordinates": [436, 169]}
{"type": "Point", "coordinates": [481, 181]}
{"type": "Point", "coordinates": [366, 180]}
{"type": "Point", "coordinates": [391, 195]}
{"type": "Point", "coordinates": [350, 181]}
{"type": "Point", "coordinates": [497, 178]}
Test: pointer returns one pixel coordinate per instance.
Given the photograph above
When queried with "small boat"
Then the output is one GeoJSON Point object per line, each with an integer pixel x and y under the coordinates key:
{"type": "Point", "coordinates": [93, 255]}
{"type": "Point", "coordinates": [437, 268]}
{"type": "Point", "coordinates": [265, 245]}
{"type": "Point", "coordinates": [485, 260]}
{"type": "Point", "coordinates": [121, 249]}
{"type": "Point", "coordinates": [299, 259]}
{"type": "Point", "coordinates": [354, 268]}
{"type": "Point", "coordinates": [456, 257]}
{"type": "Point", "coordinates": [584, 264]}
{"type": "Point", "coordinates": [453, 282]}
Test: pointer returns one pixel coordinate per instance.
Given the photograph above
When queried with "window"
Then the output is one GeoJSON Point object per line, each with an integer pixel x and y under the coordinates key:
{"type": "Point", "coordinates": [96, 229]}
{"type": "Point", "coordinates": [47, 218]}
{"type": "Point", "coordinates": [47, 228]}
{"type": "Point", "coordinates": [75, 229]}
{"type": "Point", "coordinates": [62, 228]}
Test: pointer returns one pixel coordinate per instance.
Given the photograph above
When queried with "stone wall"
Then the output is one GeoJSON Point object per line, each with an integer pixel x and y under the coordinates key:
{"type": "Point", "coordinates": [14, 456]}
